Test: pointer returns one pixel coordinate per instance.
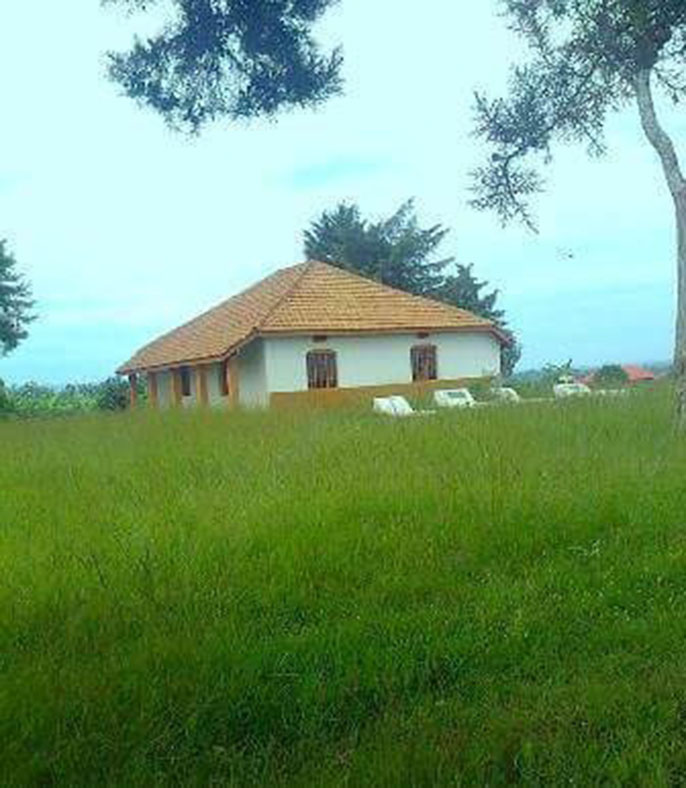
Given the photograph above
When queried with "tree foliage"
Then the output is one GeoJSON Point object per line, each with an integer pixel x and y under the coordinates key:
{"type": "Point", "coordinates": [16, 304]}
{"type": "Point", "coordinates": [394, 251]}
{"type": "Point", "coordinates": [610, 375]}
{"type": "Point", "coordinates": [399, 253]}
{"type": "Point", "coordinates": [463, 289]}
{"type": "Point", "coordinates": [4, 398]}
{"type": "Point", "coordinates": [230, 59]}
{"type": "Point", "coordinates": [114, 394]}
{"type": "Point", "coordinates": [36, 400]}
{"type": "Point", "coordinates": [587, 58]}
{"type": "Point", "coordinates": [590, 58]}
{"type": "Point", "coordinates": [554, 372]}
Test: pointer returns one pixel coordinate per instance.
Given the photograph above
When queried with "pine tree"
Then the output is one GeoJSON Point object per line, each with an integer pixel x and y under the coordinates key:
{"type": "Point", "coordinates": [464, 290]}
{"type": "Point", "coordinates": [398, 253]}
{"type": "Point", "coordinates": [231, 59]}
{"type": "Point", "coordinates": [15, 303]}
{"type": "Point", "coordinates": [395, 251]}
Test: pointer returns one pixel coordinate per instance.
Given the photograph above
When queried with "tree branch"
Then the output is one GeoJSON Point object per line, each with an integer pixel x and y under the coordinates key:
{"type": "Point", "coordinates": [657, 136]}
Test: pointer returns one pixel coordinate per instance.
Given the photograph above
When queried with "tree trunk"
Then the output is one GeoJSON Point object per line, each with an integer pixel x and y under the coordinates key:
{"type": "Point", "coordinates": [677, 186]}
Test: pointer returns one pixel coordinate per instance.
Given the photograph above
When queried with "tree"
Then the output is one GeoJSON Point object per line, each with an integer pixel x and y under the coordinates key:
{"type": "Point", "coordinates": [590, 58]}
{"type": "Point", "coordinates": [611, 375]}
{"type": "Point", "coordinates": [114, 393]}
{"type": "Point", "coordinates": [230, 59]}
{"type": "Point", "coordinates": [398, 253]}
{"type": "Point", "coordinates": [5, 404]}
{"type": "Point", "coordinates": [463, 289]}
{"type": "Point", "coordinates": [557, 373]}
{"type": "Point", "coordinates": [394, 251]}
{"type": "Point", "coordinates": [15, 303]}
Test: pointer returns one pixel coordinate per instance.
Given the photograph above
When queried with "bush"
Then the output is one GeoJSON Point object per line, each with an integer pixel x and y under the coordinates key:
{"type": "Point", "coordinates": [611, 375]}
{"type": "Point", "coordinates": [37, 400]}
{"type": "Point", "coordinates": [558, 373]}
{"type": "Point", "coordinates": [113, 394]}
{"type": "Point", "coordinates": [5, 403]}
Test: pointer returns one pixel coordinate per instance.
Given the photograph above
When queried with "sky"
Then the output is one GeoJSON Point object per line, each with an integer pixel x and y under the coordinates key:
{"type": "Point", "coordinates": [126, 229]}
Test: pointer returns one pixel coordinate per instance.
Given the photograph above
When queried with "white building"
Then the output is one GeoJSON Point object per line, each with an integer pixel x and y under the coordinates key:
{"type": "Point", "coordinates": [314, 333]}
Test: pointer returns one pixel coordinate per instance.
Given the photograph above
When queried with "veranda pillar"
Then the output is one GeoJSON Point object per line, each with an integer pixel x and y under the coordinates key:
{"type": "Point", "coordinates": [176, 387]}
{"type": "Point", "coordinates": [133, 389]}
{"type": "Point", "coordinates": [201, 384]}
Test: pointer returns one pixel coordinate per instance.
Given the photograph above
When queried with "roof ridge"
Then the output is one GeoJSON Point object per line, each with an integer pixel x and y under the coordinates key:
{"type": "Point", "coordinates": [306, 266]}
{"type": "Point", "coordinates": [219, 305]}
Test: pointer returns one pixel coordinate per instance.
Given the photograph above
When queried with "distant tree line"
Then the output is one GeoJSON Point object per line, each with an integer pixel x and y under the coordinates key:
{"type": "Point", "coordinates": [35, 399]}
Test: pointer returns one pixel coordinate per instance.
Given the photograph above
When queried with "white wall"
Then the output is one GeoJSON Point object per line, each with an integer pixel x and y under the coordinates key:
{"type": "Point", "coordinates": [252, 371]}
{"type": "Point", "coordinates": [378, 360]}
{"type": "Point", "coordinates": [279, 364]}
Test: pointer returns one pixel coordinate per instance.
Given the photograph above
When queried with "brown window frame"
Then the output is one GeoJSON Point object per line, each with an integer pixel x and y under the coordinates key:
{"type": "Point", "coordinates": [186, 378]}
{"type": "Point", "coordinates": [322, 369]}
{"type": "Point", "coordinates": [424, 363]}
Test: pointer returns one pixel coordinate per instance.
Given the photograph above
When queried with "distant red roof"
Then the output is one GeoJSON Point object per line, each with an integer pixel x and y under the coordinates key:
{"type": "Point", "coordinates": [635, 374]}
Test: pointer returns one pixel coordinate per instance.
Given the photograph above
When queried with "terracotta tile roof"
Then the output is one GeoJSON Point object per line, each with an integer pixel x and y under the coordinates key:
{"type": "Point", "coordinates": [307, 298]}
{"type": "Point", "coordinates": [637, 374]}
{"type": "Point", "coordinates": [634, 373]}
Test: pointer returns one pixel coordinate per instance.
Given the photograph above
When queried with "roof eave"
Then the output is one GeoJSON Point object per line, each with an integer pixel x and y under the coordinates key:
{"type": "Point", "coordinates": [130, 367]}
{"type": "Point", "coordinates": [479, 328]}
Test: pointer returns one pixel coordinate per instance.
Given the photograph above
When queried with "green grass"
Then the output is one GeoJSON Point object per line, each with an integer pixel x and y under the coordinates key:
{"type": "Point", "coordinates": [470, 598]}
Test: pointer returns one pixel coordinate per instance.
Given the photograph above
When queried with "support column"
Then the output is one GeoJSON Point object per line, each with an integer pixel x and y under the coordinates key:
{"type": "Point", "coordinates": [133, 390]}
{"type": "Point", "coordinates": [153, 393]}
{"type": "Point", "coordinates": [176, 387]}
{"type": "Point", "coordinates": [201, 384]}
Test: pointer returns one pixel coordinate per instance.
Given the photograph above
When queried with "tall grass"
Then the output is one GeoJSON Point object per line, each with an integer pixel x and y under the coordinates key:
{"type": "Point", "coordinates": [484, 597]}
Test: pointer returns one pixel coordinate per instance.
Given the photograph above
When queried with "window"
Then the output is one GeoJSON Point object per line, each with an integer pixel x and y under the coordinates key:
{"type": "Point", "coordinates": [223, 378]}
{"type": "Point", "coordinates": [424, 365]}
{"type": "Point", "coordinates": [185, 373]}
{"type": "Point", "coordinates": [321, 370]}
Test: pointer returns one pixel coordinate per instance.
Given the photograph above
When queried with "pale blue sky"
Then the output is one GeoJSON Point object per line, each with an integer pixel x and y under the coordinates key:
{"type": "Point", "coordinates": [126, 229]}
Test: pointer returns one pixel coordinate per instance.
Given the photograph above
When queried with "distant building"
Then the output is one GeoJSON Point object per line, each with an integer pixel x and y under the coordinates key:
{"type": "Point", "coordinates": [634, 373]}
{"type": "Point", "coordinates": [637, 374]}
{"type": "Point", "coordinates": [316, 333]}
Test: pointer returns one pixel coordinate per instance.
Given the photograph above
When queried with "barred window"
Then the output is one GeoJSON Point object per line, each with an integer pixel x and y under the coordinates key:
{"type": "Point", "coordinates": [322, 370]}
{"type": "Point", "coordinates": [424, 363]}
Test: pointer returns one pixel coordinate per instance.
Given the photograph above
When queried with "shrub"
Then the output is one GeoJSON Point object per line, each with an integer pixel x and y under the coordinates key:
{"type": "Point", "coordinates": [610, 375]}
{"type": "Point", "coordinates": [5, 403]}
{"type": "Point", "coordinates": [113, 394]}
{"type": "Point", "coordinates": [558, 373]}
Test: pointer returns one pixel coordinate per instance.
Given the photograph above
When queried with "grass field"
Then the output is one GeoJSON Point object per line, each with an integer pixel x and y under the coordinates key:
{"type": "Point", "coordinates": [470, 598]}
